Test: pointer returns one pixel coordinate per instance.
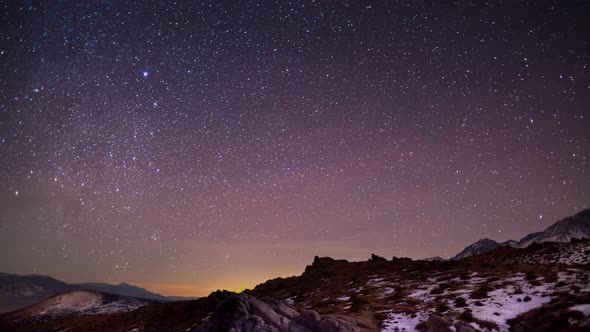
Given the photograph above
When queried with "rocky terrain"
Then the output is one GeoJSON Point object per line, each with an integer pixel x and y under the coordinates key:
{"type": "Point", "coordinates": [243, 312]}
{"type": "Point", "coordinates": [543, 286]}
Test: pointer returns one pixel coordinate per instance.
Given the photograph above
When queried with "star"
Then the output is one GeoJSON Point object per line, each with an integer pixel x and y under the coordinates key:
{"type": "Point", "coordinates": [219, 128]}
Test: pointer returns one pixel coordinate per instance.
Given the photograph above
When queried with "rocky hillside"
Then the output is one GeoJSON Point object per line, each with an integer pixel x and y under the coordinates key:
{"type": "Point", "coordinates": [544, 287]}
{"type": "Point", "coordinates": [473, 294]}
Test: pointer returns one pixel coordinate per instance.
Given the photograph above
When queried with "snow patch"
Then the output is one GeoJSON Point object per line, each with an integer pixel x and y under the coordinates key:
{"type": "Point", "coordinates": [401, 322]}
{"type": "Point", "coordinates": [503, 305]}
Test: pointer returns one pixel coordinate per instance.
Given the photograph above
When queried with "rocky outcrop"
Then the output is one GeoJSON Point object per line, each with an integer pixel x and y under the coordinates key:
{"type": "Point", "coordinates": [377, 258]}
{"type": "Point", "coordinates": [243, 312]}
{"type": "Point", "coordinates": [321, 263]}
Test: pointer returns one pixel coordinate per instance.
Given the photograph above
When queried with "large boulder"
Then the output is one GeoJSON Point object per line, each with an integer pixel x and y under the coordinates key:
{"type": "Point", "coordinates": [333, 324]}
{"type": "Point", "coordinates": [270, 317]}
{"type": "Point", "coordinates": [306, 321]}
{"type": "Point", "coordinates": [438, 323]}
{"type": "Point", "coordinates": [243, 312]}
{"type": "Point", "coordinates": [281, 308]}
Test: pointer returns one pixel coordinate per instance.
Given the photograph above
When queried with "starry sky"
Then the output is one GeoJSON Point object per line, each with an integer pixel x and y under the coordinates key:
{"type": "Point", "coordinates": [190, 146]}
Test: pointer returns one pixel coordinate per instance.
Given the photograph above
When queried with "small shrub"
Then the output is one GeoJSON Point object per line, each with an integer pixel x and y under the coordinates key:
{"type": "Point", "coordinates": [442, 307]}
{"type": "Point", "coordinates": [481, 292]}
{"type": "Point", "coordinates": [436, 291]}
{"type": "Point", "coordinates": [358, 303]}
{"type": "Point", "coordinates": [460, 302]}
{"type": "Point", "coordinates": [466, 315]}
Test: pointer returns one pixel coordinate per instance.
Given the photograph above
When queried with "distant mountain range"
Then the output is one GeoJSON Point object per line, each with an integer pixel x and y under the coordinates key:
{"type": "Point", "coordinates": [18, 291]}
{"type": "Point", "coordinates": [577, 226]}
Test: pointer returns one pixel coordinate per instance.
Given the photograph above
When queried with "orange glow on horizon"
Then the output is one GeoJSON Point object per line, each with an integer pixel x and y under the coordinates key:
{"type": "Point", "coordinates": [188, 290]}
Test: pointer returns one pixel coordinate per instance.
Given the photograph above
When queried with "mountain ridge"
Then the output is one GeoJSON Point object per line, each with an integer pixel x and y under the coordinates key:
{"type": "Point", "coordinates": [75, 303]}
{"type": "Point", "coordinates": [563, 230]}
{"type": "Point", "coordinates": [19, 291]}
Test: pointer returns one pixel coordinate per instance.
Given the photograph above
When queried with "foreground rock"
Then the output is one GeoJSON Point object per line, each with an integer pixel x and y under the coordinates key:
{"type": "Point", "coordinates": [437, 323]}
{"type": "Point", "coordinates": [243, 312]}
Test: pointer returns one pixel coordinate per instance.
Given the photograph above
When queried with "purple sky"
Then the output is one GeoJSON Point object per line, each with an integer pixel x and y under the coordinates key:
{"type": "Point", "coordinates": [199, 146]}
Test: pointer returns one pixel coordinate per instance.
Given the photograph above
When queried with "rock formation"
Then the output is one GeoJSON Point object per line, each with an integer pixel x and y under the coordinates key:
{"type": "Point", "coordinates": [243, 312]}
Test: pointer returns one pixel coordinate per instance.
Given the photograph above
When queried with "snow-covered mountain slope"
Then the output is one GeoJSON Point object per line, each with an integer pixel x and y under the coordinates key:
{"type": "Point", "coordinates": [30, 286]}
{"type": "Point", "coordinates": [479, 247]}
{"type": "Point", "coordinates": [577, 226]}
{"type": "Point", "coordinates": [511, 243]}
{"type": "Point", "coordinates": [76, 303]}
{"type": "Point", "coordinates": [18, 291]}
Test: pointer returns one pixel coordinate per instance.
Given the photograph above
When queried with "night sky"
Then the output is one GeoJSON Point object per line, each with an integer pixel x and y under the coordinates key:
{"type": "Point", "coordinates": [199, 145]}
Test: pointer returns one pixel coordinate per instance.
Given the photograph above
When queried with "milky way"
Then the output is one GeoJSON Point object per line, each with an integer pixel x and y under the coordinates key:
{"type": "Point", "coordinates": [191, 146]}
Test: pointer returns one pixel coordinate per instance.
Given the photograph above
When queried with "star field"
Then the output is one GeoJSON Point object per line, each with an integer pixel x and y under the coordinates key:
{"type": "Point", "coordinates": [189, 146]}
